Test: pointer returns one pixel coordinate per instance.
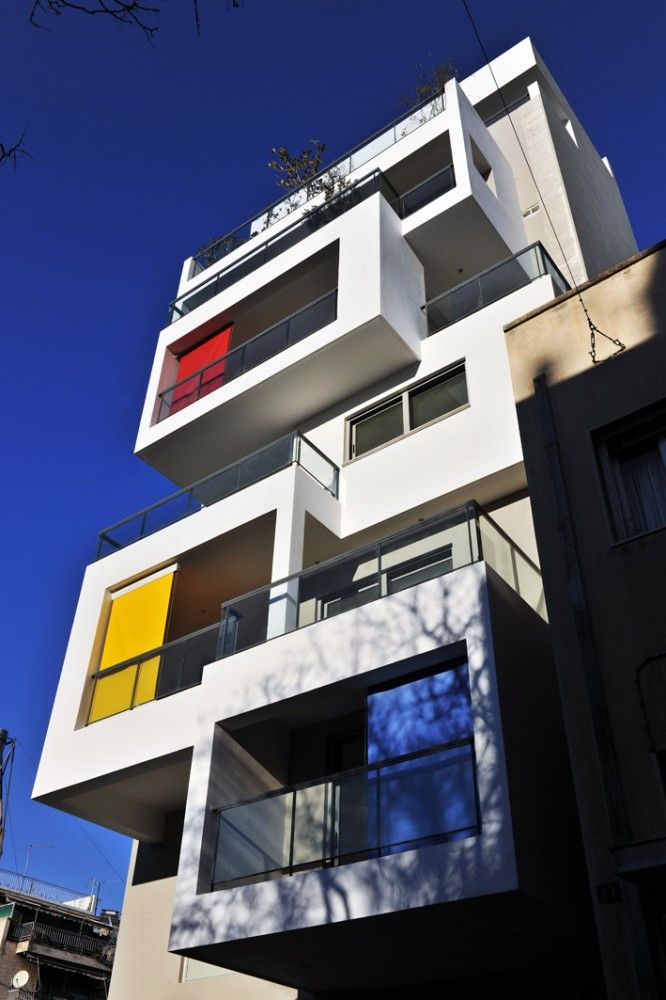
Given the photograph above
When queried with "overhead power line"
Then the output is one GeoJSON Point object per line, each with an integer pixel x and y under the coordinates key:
{"type": "Point", "coordinates": [79, 823]}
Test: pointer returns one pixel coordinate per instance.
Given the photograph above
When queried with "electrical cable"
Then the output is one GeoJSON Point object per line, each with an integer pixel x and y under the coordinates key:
{"type": "Point", "coordinates": [78, 822]}
{"type": "Point", "coordinates": [591, 326]}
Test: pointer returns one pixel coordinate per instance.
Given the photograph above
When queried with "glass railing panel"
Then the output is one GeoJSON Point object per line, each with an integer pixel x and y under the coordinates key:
{"type": "Point", "coordinates": [313, 815]}
{"type": "Point", "coordinates": [315, 317]}
{"type": "Point", "coordinates": [355, 807]}
{"type": "Point", "coordinates": [172, 510]}
{"type": "Point", "coordinates": [373, 148]}
{"type": "Point", "coordinates": [341, 167]}
{"type": "Point", "coordinates": [263, 463]}
{"type": "Point", "coordinates": [244, 622]}
{"type": "Point", "coordinates": [402, 804]}
{"type": "Point", "coordinates": [146, 681]}
{"type": "Point", "coordinates": [113, 693]}
{"type": "Point", "coordinates": [265, 346]}
{"type": "Point", "coordinates": [558, 279]}
{"type": "Point", "coordinates": [348, 583]}
{"type": "Point", "coordinates": [219, 486]}
{"type": "Point", "coordinates": [254, 838]}
{"type": "Point", "coordinates": [118, 536]}
{"type": "Point", "coordinates": [431, 797]}
{"type": "Point", "coordinates": [512, 565]}
{"type": "Point", "coordinates": [316, 218]}
{"type": "Point", "coordinates": [267, 461]}
{"type": "Point", "coordinates": [491, 285]}
{"type": "Point", "coordinates": [529, 584]}
{"type": "Point", "coordinates": [182, 663]}
{"type": "Point", "coordinates": [455, 305]}
{"type": "Point", "coordinates": [422, 194]}
{"type": "Point", "coordinates": [497, 551]}
{"type": "Point", "coordinates": [510, 276]}
{"type": "Point", "coordinates": [318, 466]}
{"type": "Point", "coordinates": [425, 554]}
{"type": "Point", "coordinates": [249, 355]}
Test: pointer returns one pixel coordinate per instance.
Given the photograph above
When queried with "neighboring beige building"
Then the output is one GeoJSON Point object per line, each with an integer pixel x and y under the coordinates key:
{"type": "Point", "coordinates": [594, 440]}
{"type": "Point", "coordinates": [158, 973]}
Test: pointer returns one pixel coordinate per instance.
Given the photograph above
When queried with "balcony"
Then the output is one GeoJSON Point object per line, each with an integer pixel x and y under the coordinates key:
{"type": "Point", "coordinates": [284, 240]}
{"type": "Point", "coordinates": [404, 205]}
{"type": "Point", "coordinates": [433, 549]}
{"type": "Point", "coordinates": [45, 941]}
{"type": "Point", "coordinates": [342, 166]}
{"type": "Point", "coordinates": [288, 375]}
{"type": "Point", "coordinates": [410, 801]}
{"type": "Point", "coordinates": [430, 550]}
{"type": "Point", "coordinates": [292, 449]}
{"type": "Point", "coordinates": [492, 284]}
{"type": "Point", "coordinates": [247, 356]}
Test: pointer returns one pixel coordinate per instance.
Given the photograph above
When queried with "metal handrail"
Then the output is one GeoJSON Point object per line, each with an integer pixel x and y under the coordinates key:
{"type": "Point", "coordinates": [235, 351]}
{"type": "Point", "coordinates": [326, 564]}
{"type": "Point", "coordinates": [330, 851]}
{"type": "Point", "coordinates": [310, 220]}
{"type": "Point", "coordinates": [313, 782]}
{"type": "Point", "coordinates": [104, 536]}
{"type": "Point", "coordinates": [469, 513]}
{"type": "Point", "coordinates": [325, 170]}
{"type": "Point", "coordinates": [537, 245]}
{"type": "Point", "coordinates": [231, 235]}
{"type": "Point", "coordinates": [136, 661]}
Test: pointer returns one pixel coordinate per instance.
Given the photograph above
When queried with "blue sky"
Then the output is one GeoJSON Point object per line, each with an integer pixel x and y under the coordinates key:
{"type": "Point", "coordinates": [143, 152]}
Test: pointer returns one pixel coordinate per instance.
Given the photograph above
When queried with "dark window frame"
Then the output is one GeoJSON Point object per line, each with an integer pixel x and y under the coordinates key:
{"type": "Point", "coordinates": [613, 446]}
{"type": "Point", "coordinates": [405, 398]}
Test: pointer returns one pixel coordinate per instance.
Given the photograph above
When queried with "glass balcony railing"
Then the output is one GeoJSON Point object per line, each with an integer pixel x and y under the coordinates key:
{"type": "Point", "coordinates": [243, 358]}
{"type": "Point", "coordinates": [432, 549]}
{"type": "Point", "coordinates": [249, 470]}
{"type": "Point", "coordinates": [425, 192]}
{"type": "Point", "coordinates": [285, 239]}
{"type": "Point", "coordinates": [403, 204]}
{"type": "Point", "coordinates": [399, 804]}
{"type": "Point", "coordinates": [357, 157]}
{"type": "Point", "coordinates": [429, 550]}
{"type": "Point", "coordinates": [170, 668]}
{"type": "Point", "coordinates": [493, 284]}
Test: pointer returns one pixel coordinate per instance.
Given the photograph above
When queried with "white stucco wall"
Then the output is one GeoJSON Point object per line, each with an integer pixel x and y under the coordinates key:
{"type": "Point", "coordinates": [355, 645]}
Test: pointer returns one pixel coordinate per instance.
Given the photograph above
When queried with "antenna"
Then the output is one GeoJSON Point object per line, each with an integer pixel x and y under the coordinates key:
{"type": "Point", "coordinates": [31, 848]}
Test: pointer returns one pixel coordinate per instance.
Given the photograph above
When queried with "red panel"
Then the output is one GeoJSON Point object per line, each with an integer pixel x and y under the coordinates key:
{"type": "Point", "coordinates": [193, 383]}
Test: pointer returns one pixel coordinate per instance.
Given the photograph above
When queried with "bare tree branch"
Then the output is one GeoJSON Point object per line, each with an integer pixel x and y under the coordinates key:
{"type": "Point", "coordinates": [134, 12]}
{"type": "Point", "coordinates": [12, 153]}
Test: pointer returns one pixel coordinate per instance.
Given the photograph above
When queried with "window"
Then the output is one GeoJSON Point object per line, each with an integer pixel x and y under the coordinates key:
{"type": "Point", "coordinates": [435, 397]}
{"type": "Point", "coordinates": [632, 458]}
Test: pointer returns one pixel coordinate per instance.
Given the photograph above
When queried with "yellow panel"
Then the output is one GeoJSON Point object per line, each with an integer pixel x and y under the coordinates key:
{"type": "Point", "coordinates": [137, 621]}
{"type": "Point", "coordinates": [112, 694]}
{"type": "Point", "coordinates": [147, 682]}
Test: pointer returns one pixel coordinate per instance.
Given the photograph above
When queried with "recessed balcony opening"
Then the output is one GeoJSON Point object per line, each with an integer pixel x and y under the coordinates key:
{"type": "Point", "coordinates": [492, 284]}
{"type": "Point", "coordinates": [482, 167]}
{"type": "Point", "coordinates": [348, 776]}
{"type": "Point", "coordinates": [425, 175]}
{"type": "Point", "coordinates": [161, 631]}
{"type": "Point", "coordinates": [298, 303]}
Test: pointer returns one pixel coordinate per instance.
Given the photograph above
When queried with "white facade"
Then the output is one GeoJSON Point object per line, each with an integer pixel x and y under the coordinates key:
{"type": "Point", "coordinates": [391, 387]}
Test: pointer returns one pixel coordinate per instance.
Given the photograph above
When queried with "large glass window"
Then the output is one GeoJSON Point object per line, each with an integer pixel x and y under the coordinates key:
{"type": "Point", "coordinates": [430, 399]}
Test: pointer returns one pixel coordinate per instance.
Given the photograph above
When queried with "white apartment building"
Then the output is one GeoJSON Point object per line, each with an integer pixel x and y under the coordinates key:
{"type": "Point", "coordinates": [315, 684]}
